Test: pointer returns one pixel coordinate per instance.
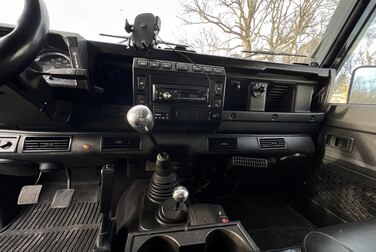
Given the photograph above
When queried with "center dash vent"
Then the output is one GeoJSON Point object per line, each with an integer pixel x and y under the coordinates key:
{"type": "Point", "coordinates": [120, 143]}
{"type": "Point", "coordinates": [274, 143]}
{"type": "Point", "coordinates": [47, 144]}
{"type": "Point", "coordinates": [222, 143]}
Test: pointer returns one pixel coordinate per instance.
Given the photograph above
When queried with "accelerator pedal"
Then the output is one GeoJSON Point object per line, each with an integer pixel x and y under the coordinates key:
{"type": "Point", "coordinates": [29, 195]}
{"type": "Point", "coordinates": [63, 198]}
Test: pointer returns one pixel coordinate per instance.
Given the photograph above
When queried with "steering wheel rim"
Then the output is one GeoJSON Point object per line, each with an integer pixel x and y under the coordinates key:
{"type": "Point", "coordinates": [19, 48]}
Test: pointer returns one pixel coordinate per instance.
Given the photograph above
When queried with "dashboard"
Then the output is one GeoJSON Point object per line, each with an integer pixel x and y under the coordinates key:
{"type": "Point", "coordinates": [203, 104]}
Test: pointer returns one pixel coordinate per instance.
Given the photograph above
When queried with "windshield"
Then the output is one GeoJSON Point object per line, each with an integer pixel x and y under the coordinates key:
{"type": "Point", "coordinates": [255, 29]}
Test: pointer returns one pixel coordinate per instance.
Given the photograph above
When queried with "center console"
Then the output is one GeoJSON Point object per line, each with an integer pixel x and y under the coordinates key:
{"type": "Point", "coordinates": [167, 220]}
{"type": "Point", "coordinates": [228, 237]}
{"type": "Point", "coordinates": [179, 92]}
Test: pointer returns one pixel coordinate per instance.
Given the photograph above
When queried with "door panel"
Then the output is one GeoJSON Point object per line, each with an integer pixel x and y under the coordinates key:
{"type": "Point", "coordinates": [358, 123]}
{"type": "Point", "coordinates": [342, 186]}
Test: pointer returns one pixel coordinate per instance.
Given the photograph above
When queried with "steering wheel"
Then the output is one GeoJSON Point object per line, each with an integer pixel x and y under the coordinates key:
{"type": "Point", "coordinates": [19, 48]}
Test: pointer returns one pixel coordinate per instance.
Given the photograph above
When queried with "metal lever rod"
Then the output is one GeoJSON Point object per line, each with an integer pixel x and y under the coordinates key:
{"type": "Point", "coordinates": [155, 143]}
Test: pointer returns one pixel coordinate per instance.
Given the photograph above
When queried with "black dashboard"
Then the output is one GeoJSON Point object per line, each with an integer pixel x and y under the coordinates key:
{"type": "Point", "coordinates": [199, 101]}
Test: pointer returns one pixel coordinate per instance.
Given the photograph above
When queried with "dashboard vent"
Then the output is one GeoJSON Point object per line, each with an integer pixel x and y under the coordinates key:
{"type": "Point", "coordinates": [48, 144]}
{"type": "Point", "coordinates": [222, 143]}
{"type": "Point", "coordinates": [276, 98]}
{"type": "Point", "coordinates": [272, 143]}
{"type": "Point", "coordinates": [120, 143]}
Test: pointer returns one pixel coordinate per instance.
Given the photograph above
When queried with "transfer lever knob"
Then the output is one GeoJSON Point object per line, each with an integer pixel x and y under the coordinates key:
{"type": "Point", "coordinates": [174, 210]}
{"type": "Point", "coordinates": [180, 194]}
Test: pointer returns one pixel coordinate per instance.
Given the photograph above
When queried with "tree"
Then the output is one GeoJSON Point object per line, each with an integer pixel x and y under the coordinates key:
{"type": "Point", "coordinates": [274, 25]}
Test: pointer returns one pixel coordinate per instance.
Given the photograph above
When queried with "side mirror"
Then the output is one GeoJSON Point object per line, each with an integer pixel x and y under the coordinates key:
{"type": "Point", "coordinates": [363, 86]}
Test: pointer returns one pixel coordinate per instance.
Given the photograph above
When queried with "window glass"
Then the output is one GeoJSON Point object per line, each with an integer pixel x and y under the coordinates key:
{"type": "Point", "coordinates": [364, 54]}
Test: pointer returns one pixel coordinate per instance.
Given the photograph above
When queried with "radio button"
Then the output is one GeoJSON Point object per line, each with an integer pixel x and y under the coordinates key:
{"type": "Point", "coordinates": [154, 64]}
{"type": "Point", "coordinates": [142, 63]}
{"type": "Point", "coordinates": [196, 68]}
{"type": "Point", "coordinates": [141, 82]}
{"type": "Point", "coordinates": [166, 65]}
{"type": "Point", "coordinates": [167, 96]}
{"type": "Point", "coordinates": [219, 70]}
{"type": "Point", "coordinates": [182, 66]}
{"type": "Point", "coordinates": [208, 69]}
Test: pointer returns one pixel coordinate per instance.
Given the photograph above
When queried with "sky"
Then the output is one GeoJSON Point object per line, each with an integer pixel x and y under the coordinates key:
{"type": "Point", "coordinates": [91, 17]}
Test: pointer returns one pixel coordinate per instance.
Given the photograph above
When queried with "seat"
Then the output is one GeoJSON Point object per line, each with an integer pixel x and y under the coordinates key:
{"type": "Point", "coordinates": [357, 236]}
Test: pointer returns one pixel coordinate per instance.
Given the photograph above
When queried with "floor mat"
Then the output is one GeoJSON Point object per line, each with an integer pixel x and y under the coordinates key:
{"type": "Point", "coordinates": [42, 228]}
{"type": "Point", "coordinates": [271, 223]}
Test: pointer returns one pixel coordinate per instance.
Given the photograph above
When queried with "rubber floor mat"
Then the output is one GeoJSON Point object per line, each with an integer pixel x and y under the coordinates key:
{"type": "Point", "coordinates": [271, 223]}
{"type": "Point", "coordinates": [42, 228]}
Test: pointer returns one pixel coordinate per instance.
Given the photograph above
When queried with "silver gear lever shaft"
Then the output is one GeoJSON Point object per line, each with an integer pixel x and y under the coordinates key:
{"type": "Point", "coordinates": [141, 119]}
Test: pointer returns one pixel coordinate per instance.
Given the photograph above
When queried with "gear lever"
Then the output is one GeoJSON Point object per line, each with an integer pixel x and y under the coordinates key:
{"type": "Point", "coordinates": [164, 179]}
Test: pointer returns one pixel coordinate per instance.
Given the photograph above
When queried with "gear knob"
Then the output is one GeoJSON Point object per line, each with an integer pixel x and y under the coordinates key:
{"type": "Point", "coordinates": [141, 119]}
{"type": "Point", "coordinates": [180, 194]}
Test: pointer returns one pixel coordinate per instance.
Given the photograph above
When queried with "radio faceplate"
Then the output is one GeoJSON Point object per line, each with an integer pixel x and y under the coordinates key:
{"type": "Point", "coordinates": [163, 93]}
{"type": "Point", "coordinates": [178, 91]}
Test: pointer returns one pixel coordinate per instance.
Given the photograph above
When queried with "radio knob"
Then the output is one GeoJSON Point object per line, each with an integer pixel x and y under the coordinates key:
{"type": "Point", "coordinates": [167, 95]}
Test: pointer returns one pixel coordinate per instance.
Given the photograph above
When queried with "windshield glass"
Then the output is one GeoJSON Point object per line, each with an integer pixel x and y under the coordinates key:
{"type": "Point", "coordinates": [236, 28]}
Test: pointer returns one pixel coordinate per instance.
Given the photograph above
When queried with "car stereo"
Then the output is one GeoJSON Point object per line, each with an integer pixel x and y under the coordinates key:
{"type": "Point", "coordinates": [178, 91]}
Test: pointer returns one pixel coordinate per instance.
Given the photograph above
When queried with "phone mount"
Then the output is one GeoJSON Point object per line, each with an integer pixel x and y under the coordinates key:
{"type": "Point", "coordinates": [144, 30]}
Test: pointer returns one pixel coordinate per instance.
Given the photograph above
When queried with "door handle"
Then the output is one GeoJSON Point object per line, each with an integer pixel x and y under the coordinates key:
{"type": "Point", "coordinates": [340, 142]}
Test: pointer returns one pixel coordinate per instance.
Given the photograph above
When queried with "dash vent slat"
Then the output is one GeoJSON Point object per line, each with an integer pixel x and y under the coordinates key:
{"type": "Point", "coordinates": [274, 143]}
{"type": "Point", "coordinates": [48, 144]}
{"type": "Point", "coordinates": [275, 94]}
{"type": "Point", "coordinates": [222, 143]}
{"type": "Point", "coordinates": [120, 143]}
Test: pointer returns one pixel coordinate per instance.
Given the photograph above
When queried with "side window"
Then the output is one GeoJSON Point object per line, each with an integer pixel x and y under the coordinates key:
{"type": "Point", "coordinates": [363, 54]}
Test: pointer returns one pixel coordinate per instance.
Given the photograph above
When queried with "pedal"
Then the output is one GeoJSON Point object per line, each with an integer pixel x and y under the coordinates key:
{"type": "Point", "coordinates": [29, 195]}
{"type": "Point", "coordinates": [63, 198]}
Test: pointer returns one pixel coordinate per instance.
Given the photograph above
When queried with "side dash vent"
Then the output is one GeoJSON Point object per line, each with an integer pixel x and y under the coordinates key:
{"type": "Point", "coordinates": [222, 144]}
{"type": "Point", "coordinates": [120, 143]}
{"type": "Point", "coordinates": [276, 143]}
{"type": "Point", "coordinates": [47, 144]}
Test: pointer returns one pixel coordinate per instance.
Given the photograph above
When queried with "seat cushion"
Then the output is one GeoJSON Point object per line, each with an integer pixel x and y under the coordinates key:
{"type": "Point", "coordinates": [357, 236]}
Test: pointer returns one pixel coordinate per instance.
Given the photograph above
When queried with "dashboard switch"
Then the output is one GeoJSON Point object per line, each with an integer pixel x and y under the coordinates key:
{"type": "Point", "coordinates": [208, 69]}
{"type": "Point", "coordinates": [141, 99]}
{"type": "Point", "coordinates": [142, 63]}
{"type": "Point", "coordinates": [182, 66]}
{"type": "Point", "coordinates": [219, 70]}
{"type": "Point", "coordinates": [166, 65]}
{"type": "Point", "coordinates": [154, 64]}
{"type": "Point", "coordinates": [218, 88]}
{"type": "Point", "coordinates": [215, 115]}
{"type": "Point", "coordinates": [196, 68]}
{"type": "Point", "coordinates": [141, 82]}
{"type": "Point", "coordinates": [217, 103]}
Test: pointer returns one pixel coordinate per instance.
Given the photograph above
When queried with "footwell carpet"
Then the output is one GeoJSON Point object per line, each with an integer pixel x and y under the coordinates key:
{"type": "Point", "coordinates": [42, 228]}
{"type": "Point", "coordinates": [271, 223]}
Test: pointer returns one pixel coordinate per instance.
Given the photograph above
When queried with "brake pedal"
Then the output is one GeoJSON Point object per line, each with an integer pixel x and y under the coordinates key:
{"type": "Point", "coordinates": [63, 198]}
{"type": "Point", "coordinates": [29, 195]}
